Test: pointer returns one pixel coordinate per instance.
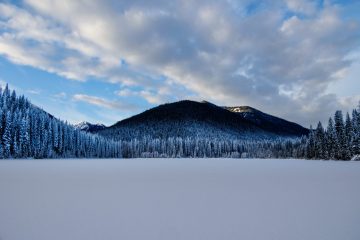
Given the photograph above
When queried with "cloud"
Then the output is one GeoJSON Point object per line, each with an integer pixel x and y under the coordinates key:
{"type": "Point", "coordinates": [101, 102]}
{"type": "Point", "coordinates": [60, 95]}
{"type": "Point", "coordinates": [302, 6]}
{"type": "Point", "coordinates": [163, 94]}
{"type": "Point", "coordinates": [168, 50]}
{"type": "Point", "coordinates": [34, 91]}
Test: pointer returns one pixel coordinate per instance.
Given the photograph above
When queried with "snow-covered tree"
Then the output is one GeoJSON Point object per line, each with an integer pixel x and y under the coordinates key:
{"type": "Point", "coordinates": [6, 137]}
{"type": "Point", "coordinates": [27, 131]}
{"type": "Point", "coordinates": [319, 142]}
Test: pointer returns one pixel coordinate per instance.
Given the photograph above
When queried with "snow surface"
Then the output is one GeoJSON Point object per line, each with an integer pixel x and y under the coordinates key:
{"type": "Point", "coordinates": [171, 199]}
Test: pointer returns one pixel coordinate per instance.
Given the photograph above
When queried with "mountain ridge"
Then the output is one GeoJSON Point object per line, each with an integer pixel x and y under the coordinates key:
{"type": "Point", "coordinates": [203, 120]}
{"type": "Point", "coordinates": [268, 121]}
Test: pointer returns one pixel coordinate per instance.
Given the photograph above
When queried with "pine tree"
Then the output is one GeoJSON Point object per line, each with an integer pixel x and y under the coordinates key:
{"type": "Point", "coordinates": [348, 137]}
{"type": "Point", "coordinates": [24, 137]}
{"type": "Point", "coordinates": [6, 138]}
{"type": "Point", "coordinates": [6, 95]}
{"type": "Point", "coordinates": [319, 142]}
{"type": "Point", "coordinates": [331, 140]}
{"type": "Point", "coordinates": [340, 153]}
{"type": "Point", "coordinates": [355, 135]}
{"type": "Point", "coordinates": [310, 145]}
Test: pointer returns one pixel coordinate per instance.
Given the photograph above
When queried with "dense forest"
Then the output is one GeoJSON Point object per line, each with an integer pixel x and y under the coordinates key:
{"type": "Point", "coordinates": [27, 131]}
{"type": "Point", "coordinates": [340, 140]}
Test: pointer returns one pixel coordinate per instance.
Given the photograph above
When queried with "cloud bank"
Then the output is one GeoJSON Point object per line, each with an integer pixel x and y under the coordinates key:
{"type": "Point", "coordinates": [279, 57]}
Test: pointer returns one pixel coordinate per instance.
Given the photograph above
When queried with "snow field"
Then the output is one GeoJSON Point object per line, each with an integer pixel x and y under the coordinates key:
{"type": "Point", "coordinates": [157, 199]}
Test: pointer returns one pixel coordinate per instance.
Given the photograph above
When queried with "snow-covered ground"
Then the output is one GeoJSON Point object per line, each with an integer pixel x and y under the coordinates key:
{"type": "Point", "coordinates": [169, 199]}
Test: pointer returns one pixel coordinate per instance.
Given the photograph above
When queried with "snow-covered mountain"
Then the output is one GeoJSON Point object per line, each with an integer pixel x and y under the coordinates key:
{"type": "Point", "coordinates": [189, 119]}
{"type": "Point", "coordinates": [89, 127]}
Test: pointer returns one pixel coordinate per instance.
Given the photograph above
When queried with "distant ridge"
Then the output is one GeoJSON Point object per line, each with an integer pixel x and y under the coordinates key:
{"type": "Point", "coordinates": [89, 127]}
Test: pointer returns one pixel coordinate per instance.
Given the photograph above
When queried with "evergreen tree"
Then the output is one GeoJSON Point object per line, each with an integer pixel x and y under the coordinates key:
{"type": "Point", "coordinates": [340, 152]}
{"type": "Point", "coordinates": [355, 135]}
{"type": "Point", "coordinates": [24, 137]}
{"type": "Point", "coordinates": [331, 140]}
{"type": "Point", "coordinates": [310, 145]}
{"type": "Point", "coordinates": [348, 138]}
{"type": "Point", "coordinates": [319, 142]}
{"type": "Point", "coordinates": [6, 138]}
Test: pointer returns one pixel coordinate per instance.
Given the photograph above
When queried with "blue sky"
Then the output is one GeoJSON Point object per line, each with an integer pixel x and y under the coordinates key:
{"type": "Point", "coordinates": [102, 61]}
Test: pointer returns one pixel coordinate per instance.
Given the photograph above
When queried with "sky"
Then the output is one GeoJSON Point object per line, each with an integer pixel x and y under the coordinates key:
{"type": "Point", "coordinates": [105, 60]}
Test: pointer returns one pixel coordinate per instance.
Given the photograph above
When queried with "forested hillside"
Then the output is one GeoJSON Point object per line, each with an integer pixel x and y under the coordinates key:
{"type": "Point", "coordinates": [202, 120]}
{"type": "Point", "coordinates": [27, 131]}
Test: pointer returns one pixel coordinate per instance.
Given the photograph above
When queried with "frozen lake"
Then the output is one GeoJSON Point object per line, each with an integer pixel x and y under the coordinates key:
{"type": "Point", "coordinates": [169, 199]}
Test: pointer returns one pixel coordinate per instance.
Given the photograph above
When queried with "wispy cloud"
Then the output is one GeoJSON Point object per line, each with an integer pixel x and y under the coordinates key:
{"type": "Point", "coordinates": [34, 91]}
{"type": "Point", "coordinates": [101, 102]}
{"type": "Point", "coordinates": [302, 6]}
{"type": "Point", "coordinates": [60, 95]}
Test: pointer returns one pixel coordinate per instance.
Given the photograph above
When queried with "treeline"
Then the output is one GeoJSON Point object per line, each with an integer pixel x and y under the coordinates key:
{"type": "Point", "coordinates": [193, 147]}
{"type": "Point", "coordinates": [27, 131]}
{"type": "Point", "coordinates": [339, 141]}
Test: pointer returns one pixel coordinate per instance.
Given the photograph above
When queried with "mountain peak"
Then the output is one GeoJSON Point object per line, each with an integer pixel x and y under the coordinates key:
{"type": "Point", "coordinates": [89, 127]}
{"type": "Point", "coordinates": [241, 109]}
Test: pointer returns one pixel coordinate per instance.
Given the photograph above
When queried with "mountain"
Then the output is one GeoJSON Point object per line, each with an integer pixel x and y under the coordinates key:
{"type": "Point", "coordinates": [202, 120]}
{"type": "Point", "coordinates": [89, 127]}
{"type": "Point", "coordinates": [268, 122]}
{"type": "Point", "coordinates": [180, 129]}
